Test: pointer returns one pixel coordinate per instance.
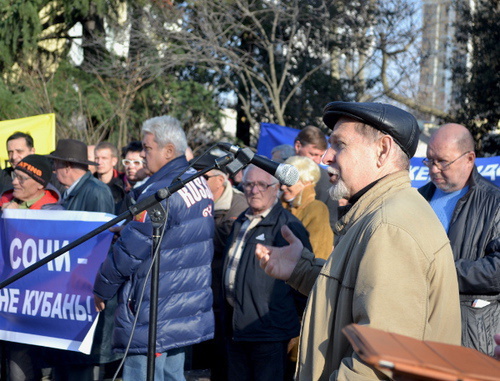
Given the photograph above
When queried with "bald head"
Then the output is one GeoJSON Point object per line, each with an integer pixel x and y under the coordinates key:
{"type": "Point", "coordinates": [451, 148]}
{"type": "Point", "coordinates": [454, 134]}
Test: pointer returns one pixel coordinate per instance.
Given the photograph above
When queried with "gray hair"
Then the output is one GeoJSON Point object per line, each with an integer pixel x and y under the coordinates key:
{"type": "Point", "coordinates": [166, 130]}
{"type": "Point", "coordinates": [283, 151]}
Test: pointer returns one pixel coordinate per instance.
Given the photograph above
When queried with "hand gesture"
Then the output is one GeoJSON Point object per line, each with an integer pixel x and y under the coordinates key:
{"type": "Point", "coordinates": [279, 262]}
{"type": "Point", "coordinates": [99, 303]}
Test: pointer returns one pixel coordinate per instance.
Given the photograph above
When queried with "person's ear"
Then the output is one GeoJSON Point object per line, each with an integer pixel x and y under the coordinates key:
{"type": "Point", "coordinates": [169, 151]}
{"type": "Point", "coordinates": [471, 157]}
{"type": "Point", "coordinates": [385, 146]}
{"type": "Point", "coordinates": [221, 179]}
{"type": "Point", "coordinates": [297, 146]}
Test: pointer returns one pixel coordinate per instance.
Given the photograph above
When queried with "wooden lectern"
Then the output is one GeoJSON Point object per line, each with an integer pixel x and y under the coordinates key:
{"type": "Point", "coordinates": [411, 359]}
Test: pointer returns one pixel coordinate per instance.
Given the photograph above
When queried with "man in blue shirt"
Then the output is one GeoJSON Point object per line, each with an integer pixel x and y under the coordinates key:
{"type": "Point", "coordinates": [469, 209]}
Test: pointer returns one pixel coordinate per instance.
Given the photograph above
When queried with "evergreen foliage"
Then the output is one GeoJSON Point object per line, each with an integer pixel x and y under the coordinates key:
{"type": "Point", "coordinates": [476, 69]}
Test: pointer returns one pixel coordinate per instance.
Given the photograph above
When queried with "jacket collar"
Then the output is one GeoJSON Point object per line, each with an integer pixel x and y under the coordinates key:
{"type": "Point", "coordinates": [82, 180]}
{"type": "Point", "coordinates": [270, 218]}
{"type": "Point", "coordinates": [165, 173]}
{"type": "Point", "coordinates": [224, 201]}
{"type": "Point", "coordinates": [174, 165]}
{"type": "Point", "coordinates": [373, 198]}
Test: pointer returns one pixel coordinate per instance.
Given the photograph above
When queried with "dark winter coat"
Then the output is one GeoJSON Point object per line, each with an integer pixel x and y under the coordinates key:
{"type": "Point", "coordinates": [474, 234]}
{"type": "Point", "coordinates": [265, 308]}
{"type": "Point", "coordinates": [185, 298]}
{"type": "Point", "coordinates": [90, 195]}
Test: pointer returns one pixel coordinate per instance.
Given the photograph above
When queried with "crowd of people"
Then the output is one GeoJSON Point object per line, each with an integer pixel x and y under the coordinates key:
{"type": "Point", "coordinates": [258, 279]}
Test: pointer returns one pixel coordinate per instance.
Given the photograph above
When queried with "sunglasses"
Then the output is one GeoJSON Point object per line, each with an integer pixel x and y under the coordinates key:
{"type": "Point", "coordinates": [136, 163]}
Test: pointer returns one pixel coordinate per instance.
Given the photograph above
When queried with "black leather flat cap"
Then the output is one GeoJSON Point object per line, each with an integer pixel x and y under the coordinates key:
{"type": "Point", "coordinates": [390, 120]}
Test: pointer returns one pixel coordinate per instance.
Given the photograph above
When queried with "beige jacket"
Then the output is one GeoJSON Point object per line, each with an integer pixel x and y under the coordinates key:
{"type": "Point", "coordinates": [315, 217]}
{"type": "Point", "coordinates": [392, 270]}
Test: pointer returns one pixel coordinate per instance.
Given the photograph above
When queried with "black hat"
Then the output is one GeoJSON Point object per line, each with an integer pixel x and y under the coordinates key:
{"type": "Point", "coordinates": [390, 120]}
{"type": "Point", "coordinates": [37, 167]}
{"type": "Point", "coordinates": [71, 150]}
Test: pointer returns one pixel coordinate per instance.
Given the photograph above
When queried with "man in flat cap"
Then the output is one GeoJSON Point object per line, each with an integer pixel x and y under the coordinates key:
{"type": "Point", "coordinates": [392, 268]}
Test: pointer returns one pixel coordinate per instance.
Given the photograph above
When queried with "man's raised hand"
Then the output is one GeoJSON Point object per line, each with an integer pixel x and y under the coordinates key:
{"type": "Point", "coordinates": [279, 262]}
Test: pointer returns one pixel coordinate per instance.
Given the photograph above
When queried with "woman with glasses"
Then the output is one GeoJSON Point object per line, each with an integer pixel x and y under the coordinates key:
{"type": "Point", "coordinates": [135, 172]}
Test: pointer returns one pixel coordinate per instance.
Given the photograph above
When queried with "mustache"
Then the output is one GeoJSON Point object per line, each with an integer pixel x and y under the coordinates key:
{"type": "Point", "coordinates": [332, 171]}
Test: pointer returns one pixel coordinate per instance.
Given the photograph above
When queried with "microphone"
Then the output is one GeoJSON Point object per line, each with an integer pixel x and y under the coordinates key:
{"type": "Point", "coordinates": [285, 173]}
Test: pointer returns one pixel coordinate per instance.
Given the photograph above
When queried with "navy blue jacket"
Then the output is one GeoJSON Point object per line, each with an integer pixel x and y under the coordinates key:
{"type": "Point", "coordinates": [266, 309]}
{"type": "Point", "coordinates": [185, 314]}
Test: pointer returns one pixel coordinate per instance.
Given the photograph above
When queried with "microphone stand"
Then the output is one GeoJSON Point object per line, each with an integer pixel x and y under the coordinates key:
{"type": "Point", "coordinates": [158, 218]}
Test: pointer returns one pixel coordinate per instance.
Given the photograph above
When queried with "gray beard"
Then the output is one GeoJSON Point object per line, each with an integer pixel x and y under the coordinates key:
{"type": "Point", "coordinates": [339, 191]}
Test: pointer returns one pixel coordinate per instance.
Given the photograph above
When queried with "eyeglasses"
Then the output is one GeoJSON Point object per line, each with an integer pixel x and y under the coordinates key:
{"type": "Point", "coordinates": [19, 178]}
{"type": "Point", "coordinates": [441, 165]}
{"type": "Point", "coordinates": [136, 163]}
{"type": "Point", "coordinates": [262, 187]}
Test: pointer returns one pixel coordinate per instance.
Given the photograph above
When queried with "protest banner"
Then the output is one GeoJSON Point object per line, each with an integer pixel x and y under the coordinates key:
{"type": "Point", "coordinates": [488, 167]}
{"type": "Point", "coordinates": [53, 305]}
{"type": "Point", "coordinates": [41, 127]}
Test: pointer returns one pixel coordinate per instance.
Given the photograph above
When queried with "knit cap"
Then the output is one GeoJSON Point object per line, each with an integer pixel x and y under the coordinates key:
{"type": "Point", "coordinates": [37, 167]}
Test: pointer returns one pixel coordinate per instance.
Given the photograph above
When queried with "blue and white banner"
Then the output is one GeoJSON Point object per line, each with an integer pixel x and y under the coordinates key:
{"type": "Point", "coordinates": [272, 135]}
{"type": "Point", "coordinates": [488, 167]}
{"type": "Point", "coordinates": [52, 306]}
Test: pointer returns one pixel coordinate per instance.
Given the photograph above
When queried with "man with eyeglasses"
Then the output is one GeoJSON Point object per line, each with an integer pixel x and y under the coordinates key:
{"type": "Point", "coordinates": [468, 206]}
{"type": "Point", "coordinates": [31, 187]}
{"type": "Point", "coordinates": [262, 310]}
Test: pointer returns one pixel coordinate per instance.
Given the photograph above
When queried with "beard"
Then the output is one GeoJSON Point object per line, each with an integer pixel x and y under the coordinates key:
{"type": "Point", "coordinates": [339, 190]}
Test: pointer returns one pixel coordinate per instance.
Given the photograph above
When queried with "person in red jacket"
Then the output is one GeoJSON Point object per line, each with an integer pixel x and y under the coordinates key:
{"type": "Point", "coordinates": [30, 180]}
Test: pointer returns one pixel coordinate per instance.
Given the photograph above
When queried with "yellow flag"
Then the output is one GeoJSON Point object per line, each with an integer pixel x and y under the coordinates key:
{"type": "Point", "coordinates": [41, 127]}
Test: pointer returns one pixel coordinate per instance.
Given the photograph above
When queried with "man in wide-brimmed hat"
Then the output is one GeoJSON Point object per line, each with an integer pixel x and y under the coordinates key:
{"type": "Point", "coordinates": [86, 193]}
{"type": "Point", "coordinates": [83, 191]}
